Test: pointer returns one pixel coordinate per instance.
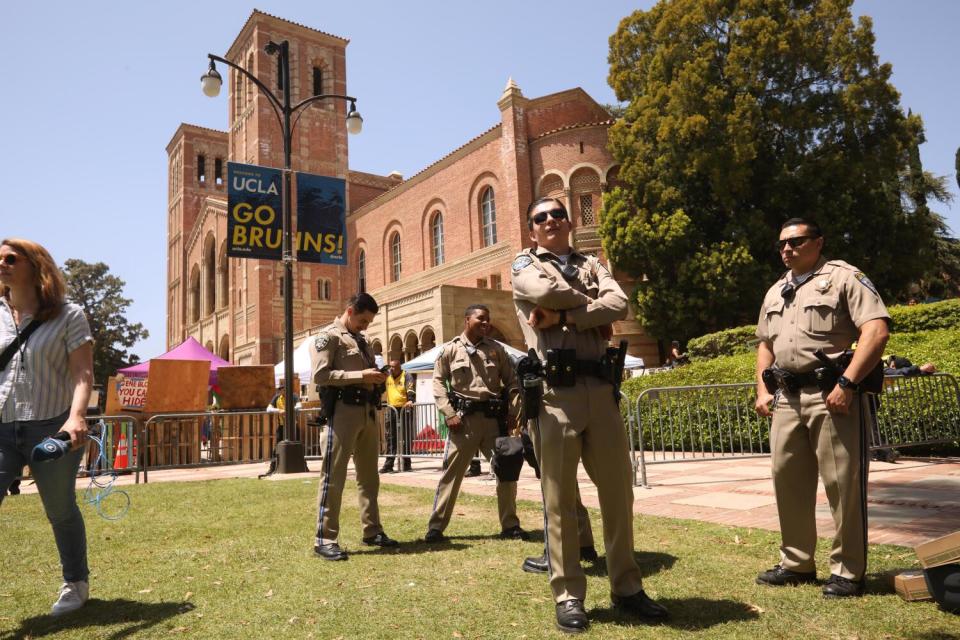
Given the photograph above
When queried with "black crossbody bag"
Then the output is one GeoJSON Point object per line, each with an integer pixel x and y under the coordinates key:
{"type": "Point", "coordinates": [17, 344]}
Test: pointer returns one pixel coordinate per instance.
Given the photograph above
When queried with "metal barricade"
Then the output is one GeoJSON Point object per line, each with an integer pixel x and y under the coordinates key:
{"type": "Point", "coordinates": [182, 440]}
{"type": "Point", "coordinates": [719, 421]}
{"type": "Point", "coordinates": [917, 410]}
{"type": "Point", "coordinates": [698, 422]}
{"type": "Point", "coordinates": [423, 431]}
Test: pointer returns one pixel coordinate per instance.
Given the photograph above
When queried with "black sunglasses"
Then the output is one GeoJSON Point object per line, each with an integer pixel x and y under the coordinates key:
{"type": "Point", "coordinates": [556, 214]}
{"type": "Point", "coordinates": [794, 243]}
{"type": "Point", "coordinates": [10, 259]}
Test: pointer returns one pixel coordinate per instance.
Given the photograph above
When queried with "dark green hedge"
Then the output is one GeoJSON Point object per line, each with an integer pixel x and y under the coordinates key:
{"type": "Point", "coordinates": [906, 319]}
{"type": "Point", "coordinates": [926, 317]}
{"type": "Point", "coordinates": [724, 343]}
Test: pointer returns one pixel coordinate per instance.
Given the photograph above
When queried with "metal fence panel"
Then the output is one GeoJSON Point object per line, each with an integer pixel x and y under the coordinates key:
{"type": "Point", "coordinates": [718, 421]}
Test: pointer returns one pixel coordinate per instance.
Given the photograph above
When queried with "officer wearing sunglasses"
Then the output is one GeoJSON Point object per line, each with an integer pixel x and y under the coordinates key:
{"type": "Point", "coordinates": [566, 303]}
{"type": "Point", "coordinates": [818, 304]}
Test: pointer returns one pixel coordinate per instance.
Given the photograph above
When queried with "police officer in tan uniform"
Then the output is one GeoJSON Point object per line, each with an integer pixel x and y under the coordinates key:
{"type": "Point", "coordinates": [818, 304]}
{"type": "Point", "coordinates": [345, 371]}
{"type": "Point", "coordinates": [473, 381]}
{"type": "Point", "coordinates": [566, 302]}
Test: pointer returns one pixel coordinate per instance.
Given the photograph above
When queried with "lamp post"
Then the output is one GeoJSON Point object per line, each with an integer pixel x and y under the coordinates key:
{"type": "Point", "coordinates": [290, 455]}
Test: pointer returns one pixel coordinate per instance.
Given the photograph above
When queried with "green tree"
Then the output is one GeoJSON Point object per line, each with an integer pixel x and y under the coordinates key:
{"type": "Point", "coordinates": [742, 114]}
{"type": "Point", "coordinates": [99, 293]}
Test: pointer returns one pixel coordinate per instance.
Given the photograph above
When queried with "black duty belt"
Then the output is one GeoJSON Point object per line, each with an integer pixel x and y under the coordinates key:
{"type": "Point", "coordinates": [490, 407]}
{"type": "Point", "coordinates": [358, 396]}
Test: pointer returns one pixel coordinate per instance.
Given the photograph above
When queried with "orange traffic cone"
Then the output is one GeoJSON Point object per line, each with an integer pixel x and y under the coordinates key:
{"type": "Point", "coordinates": [121, 460]}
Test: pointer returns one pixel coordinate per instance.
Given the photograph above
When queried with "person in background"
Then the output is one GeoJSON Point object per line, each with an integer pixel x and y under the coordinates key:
{"type": "Point", "coordinates": [45, 389]}
{"type": "Point", "coordinates": [401, 394]}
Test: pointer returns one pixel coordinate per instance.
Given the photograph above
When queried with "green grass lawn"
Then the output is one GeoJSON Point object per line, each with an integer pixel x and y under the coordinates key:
{"type": "Point", "coordinates": [233, 559]}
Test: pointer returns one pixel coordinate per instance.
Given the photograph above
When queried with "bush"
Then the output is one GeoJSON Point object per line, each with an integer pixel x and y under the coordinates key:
{"type": "Point", "coordinates": [926, 317]}
{"type": "Point", "coordinates": [724, 343]}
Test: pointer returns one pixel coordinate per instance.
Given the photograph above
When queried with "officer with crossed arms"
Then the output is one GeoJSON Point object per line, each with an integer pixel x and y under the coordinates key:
{"type": "Point", "coordinates": [566, 302]}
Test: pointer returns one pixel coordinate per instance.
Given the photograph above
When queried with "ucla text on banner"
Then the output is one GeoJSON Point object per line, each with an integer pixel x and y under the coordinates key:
{"type": "Point", "coordinates": [254, 210]}
{"type": "Point", "coordinates": [321, 219]}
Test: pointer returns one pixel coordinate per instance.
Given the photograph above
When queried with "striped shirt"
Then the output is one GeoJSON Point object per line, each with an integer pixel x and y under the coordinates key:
{"type": "Point", "coordinates": [36, 383]}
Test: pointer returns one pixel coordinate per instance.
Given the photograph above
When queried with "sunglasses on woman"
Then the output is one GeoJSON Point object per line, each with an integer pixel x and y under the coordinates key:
{"type": "Point", "coordinates": [10, 259]}
{"type": "Point", "coordinates": [556, 214]}
{"type": "Point", "coordinates": [794, 243]}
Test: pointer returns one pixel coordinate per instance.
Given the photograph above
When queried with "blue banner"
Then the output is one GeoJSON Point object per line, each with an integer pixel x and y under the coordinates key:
{"type": "Point", "coordinates": [321, 219]}
{"type": "Point", "coordinates": [254, 212]}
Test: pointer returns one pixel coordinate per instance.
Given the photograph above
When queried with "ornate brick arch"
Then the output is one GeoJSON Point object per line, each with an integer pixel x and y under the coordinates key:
{"type": "Point", "coordinates": [393, 227]}
{"type": "Point", "coordinates": [552, 183]}
{"type": "Point", "coordinates": [434, 206]}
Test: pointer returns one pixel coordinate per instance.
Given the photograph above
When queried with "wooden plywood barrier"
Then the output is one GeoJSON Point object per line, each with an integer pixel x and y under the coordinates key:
{"type": "Point", "coordinates": [245, 387]}
{"type": "Point", "coordinates": [177, 385]}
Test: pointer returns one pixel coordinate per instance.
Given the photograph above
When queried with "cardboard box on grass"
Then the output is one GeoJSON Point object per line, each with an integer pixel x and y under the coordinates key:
{"type": "Point", "coordinates": [911, 585]}
{"type": "Point", "coordinates": [939, 551]}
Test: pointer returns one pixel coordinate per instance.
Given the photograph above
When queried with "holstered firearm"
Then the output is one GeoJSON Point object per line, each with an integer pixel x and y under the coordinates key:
{"type": "Point", "coordinates": [530, 374]}
{"type": "Point", "coordinates": [616, 360]}
{"type": "Point", "coordinates": [328, 402]}
{"type": "Point", "coordinates": [833, 369]}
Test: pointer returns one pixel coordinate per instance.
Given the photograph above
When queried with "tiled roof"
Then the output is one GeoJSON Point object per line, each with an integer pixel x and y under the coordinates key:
{"type": "Point", "coordinates": [578, 125]}
{"type": "Point", "coordinates": [264, 13]}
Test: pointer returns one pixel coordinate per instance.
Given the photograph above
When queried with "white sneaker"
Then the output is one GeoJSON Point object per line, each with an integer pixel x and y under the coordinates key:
{"type": "Point", "coordinates": [73, 595]}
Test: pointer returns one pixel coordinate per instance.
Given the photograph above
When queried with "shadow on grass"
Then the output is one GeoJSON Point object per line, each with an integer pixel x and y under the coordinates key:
{"type": "Point", "coordinates": [102, 613]}
{"type": "Point", "coordinates": [650, 563]}
{"type": "Point", "coordinates": [691, 614]}
{"type": "Point", "coordinates": [406, 548]}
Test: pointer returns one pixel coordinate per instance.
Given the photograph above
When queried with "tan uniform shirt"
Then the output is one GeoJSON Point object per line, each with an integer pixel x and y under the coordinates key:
{"type": "Point", "coordinates": [826, 313]}
{"type": "Point", "coordinates": [337, 358]}
{"type": "Point", "coordinates": [480, 376]}
{"type": "Point", "coordinates": [592, 299]}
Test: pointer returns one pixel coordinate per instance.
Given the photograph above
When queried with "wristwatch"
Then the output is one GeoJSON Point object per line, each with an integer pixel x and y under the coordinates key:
{"type": "Point", "coordinates": [847, 383]}
{"type": "Point", "coordinates": [562, 321]}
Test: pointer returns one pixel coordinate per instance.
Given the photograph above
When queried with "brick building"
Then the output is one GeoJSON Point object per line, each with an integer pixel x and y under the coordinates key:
{"type": "Point", "coordinates": [425, 247]}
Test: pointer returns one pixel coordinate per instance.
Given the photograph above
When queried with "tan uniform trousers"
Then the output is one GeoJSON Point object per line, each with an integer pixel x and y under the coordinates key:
{"type": "Point", "coordinates": [351, 432]}
{"type": "Point", "coordinates": [584, 423]}
{"type": "Point", "coordinates": [476, 433]}
{"type": "Point", "coordinates": [805, 438]}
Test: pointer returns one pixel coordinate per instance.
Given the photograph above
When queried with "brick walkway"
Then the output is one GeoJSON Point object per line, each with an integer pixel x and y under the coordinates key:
{"type": "Point", "coordinates": [910, 501]}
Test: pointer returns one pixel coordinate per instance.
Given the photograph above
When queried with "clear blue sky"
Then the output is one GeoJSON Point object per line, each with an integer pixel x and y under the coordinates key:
{"type": "Point", "coordinates": [93, 91]}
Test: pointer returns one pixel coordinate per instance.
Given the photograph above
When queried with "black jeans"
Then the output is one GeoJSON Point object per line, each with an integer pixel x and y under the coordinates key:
{"type": "Point", "coordinates": [392, 434]}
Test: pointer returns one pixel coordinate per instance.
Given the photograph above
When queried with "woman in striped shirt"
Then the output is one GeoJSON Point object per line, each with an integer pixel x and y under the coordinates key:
{"type": "Point", "coordinates": [44, 388]}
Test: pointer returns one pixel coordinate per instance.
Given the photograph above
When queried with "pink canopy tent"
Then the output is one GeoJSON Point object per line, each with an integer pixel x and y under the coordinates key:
{"type": "Point", "coordinates": [189, 349]}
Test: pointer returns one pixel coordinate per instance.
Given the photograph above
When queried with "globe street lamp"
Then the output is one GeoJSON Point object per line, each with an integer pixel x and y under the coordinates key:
{"type": "Point", "coordinates": [290, 455]}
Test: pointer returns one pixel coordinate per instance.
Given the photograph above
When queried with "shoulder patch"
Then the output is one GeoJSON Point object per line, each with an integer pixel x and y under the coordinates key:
{"type": "Point", "coordinates": [321, 341]}
{"type": "Point", "coordinates": [521, 262]}
{"type": "Point", "coordinates": [865, 281]}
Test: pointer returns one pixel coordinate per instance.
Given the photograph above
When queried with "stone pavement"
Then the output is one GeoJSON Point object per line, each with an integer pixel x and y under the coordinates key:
{"type": "Point", "coordinates": [910, 501]}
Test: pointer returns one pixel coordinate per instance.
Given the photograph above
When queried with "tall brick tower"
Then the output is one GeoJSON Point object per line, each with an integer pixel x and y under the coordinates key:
{"type": "Point", "coordinates": [235, 305]}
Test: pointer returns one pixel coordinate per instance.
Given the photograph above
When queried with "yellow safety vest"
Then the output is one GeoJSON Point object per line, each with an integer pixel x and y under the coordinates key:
{"type": "Point", "coordinates": [396, 390]}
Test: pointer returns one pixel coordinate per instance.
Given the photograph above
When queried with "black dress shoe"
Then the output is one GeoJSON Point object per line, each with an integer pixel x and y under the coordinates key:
{"type": "Point", "coordinates": [434, 535]}
{"type": "Point", "coordinates": [536, 564]}
{"type": "Point", "coordinates": [840, 587]}
{"type": "Point", "coordinates": [571, 616]}
{"type": "Point", "coordinates": [780, 577]}
{"type": "Point", "coordinates": [387, 467]}
{"type": "Point", "coordinates": [474, 470]}
{"type": "Point", "coordinates": [380, 540]}
{"type": "Point", "coordinates": [407, 465]}
{"type": "Point", "coordinates": [330, 551]}
{"type": "Point", "coordinates": [589, 554]}
{"type": "Point", "coordinates": [514, 533]}
{"type": "Point", "coordinates": [641, 606]}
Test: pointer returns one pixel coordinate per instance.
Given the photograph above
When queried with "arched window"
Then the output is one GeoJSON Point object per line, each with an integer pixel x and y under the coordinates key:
{"type": "Point", "coordinates": [436, 235]}
{"type": "Point", "coordinates": [396, 260]}
{"type": "Point", "coordinates": [488, 210]}
{"type": "Point", "coordinates": [362, 271]}
{"type": "Point", "coordinates": [324, 289]}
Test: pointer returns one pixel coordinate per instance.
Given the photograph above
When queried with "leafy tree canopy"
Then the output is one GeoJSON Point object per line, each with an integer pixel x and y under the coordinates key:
{"type": "Point", "coordinates": [99, 293]}
{"type": "Point", "coordinates": [742, 114]}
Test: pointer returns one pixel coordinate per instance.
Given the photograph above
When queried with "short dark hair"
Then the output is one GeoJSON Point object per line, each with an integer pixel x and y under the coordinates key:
{"type": "Point", "coordinates": [469, 311]}
{"type": "Point", "coordinates": [812, 226]}
{"type": "Point", "coordinates": [362, 302]}
{"type": "Point", "coordinates": [533, 205]}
